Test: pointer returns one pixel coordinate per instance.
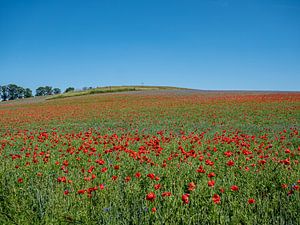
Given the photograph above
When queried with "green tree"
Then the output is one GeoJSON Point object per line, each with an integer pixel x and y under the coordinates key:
{"type": "Point", "coordinates": [20, 92]}
{"type": "Point", "coordinates": [56, 91]}
{"type": "Point", "coordinates": [48, 90]}
{"type": "Point", "coordinates": [12, 91]}
{"type": "Point", "coordinates": [40, 91]}
{"type": "Point", "coordinates": [27, 93]}
{"type": "Point", "coordinates": [4, 92]}
{"type": "Point", "coordinates": [69, 89]}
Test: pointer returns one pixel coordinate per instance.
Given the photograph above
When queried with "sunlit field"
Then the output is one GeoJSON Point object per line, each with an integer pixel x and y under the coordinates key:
{"type": "Point", "coordinates": [168, 157]}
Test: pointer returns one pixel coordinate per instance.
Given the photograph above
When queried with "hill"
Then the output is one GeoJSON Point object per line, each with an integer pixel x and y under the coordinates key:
{"type": "Point", "coordinates": [110, 89]}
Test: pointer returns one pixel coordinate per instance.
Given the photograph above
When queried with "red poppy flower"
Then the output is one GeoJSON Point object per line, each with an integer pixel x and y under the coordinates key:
{"type": "Point", "coordinates": [230, 163]}
{"type": "Point", "coordinates": [185, 198]}
{"type": "Point", "coordinates": [138, 175]}
{"type": "Point", "coordinates": [228, 153]}
{"type": "Point", "coordinates": [234, 188]}
{"type": "Point", "coordinates": [209, 162]}
{"type": "Point", "coordinates": [200, 169]}
{"type": "Point", "coordinates": [212, 174]}
{"type": "Point", "coordinates": [151, 176]}
{"type": "Point", "coordinates": [191, 186]}
{"type": "Point", "coordinates": [251, 201]}
{"type": "Point", "coordinates": [80, 191]}
{"type": "Point", "coordinates": [150, 197]}
{"type": "Point", "coordinates": [116, 167]}
{"type": "Point", "coordinates": [20, 180]}
{"type": "Point", "coordinates": [166, 194]}
{"type": "Point", "coordinates": [127, 179]}
{"type": "Point", "coordinates": [287, 151]}
{"type": "Point", "coordinates": [216, 199]}
{"type": "Point", "coordinates": [157, 186]}
{"type": "Point", "coordinates": [211, 183]}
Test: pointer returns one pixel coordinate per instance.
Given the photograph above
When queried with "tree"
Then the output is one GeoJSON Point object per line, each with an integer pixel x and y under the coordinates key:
{"type": "Point", "coordinates": [69, 89]}
{"type": "Point", "coordinates": [20, 91]}
{"type": "Point", "coordinates": [27, 93]}
{"type": "Point", "coordinates": [87, 88]}
{"type": "Point", "coordinates": [4, 93]}
{"type": "Point", "coordinates": [48, 90]}
{"type": "Point", "coordinates": [40, 91]}
{"type": "Point", "coordinates": [12, 91]}
{"type": "Point", "coordinates": [56, 91]}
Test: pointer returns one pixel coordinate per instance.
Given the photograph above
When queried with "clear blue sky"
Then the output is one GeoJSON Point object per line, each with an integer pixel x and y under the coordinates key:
{"type": "Point", "coordinates": [204, 44]}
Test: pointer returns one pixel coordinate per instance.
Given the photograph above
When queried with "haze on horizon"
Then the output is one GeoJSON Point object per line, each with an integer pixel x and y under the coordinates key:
{"type": "Point", "coordinates": [210, 44]}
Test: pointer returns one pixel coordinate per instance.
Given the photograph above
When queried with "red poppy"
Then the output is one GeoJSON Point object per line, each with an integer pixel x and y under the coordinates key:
{"type": "Point", "coordinates": [216, 199]}
{"type": "Point", "coordinates": [127, 179]}
{"type": "Point", "coordinates": [116, 167]}
{"type": "Point", "coordinates": [151, 176]}
{"type": "Point", "coordinates": [20, 180]}
{"type": "Point", "coordinates": [157, 186]}
{"type": "Point", "coordinates": [138, 175]}
{"type": "Point", "coordinates": [185, 198]}
{"type": "Point", "coordinates": [200, 169]}
{"type": "Point", "coordinates": [191, 186]}
{"type": "Point", "coordinates": [80, 191]}
{"type": "Point", "coordinates": [211, 183]}
{"type": "Point", "coordinates": [150, 197]}
{"type": "Point", "coordinates": [209, 162]}
{"type": "Point", "coordinates": [230, 163]}
{"type": "Point", "coordinates": [212, 174]}
{"type": "Point", "coordinates": [234, 188]}
{"type": "Point", "coordinates": [166, 194]}
{"type": "Point", "coordinates": [228, 153]}
{"type": "Point", "coordinates": [251, 201]}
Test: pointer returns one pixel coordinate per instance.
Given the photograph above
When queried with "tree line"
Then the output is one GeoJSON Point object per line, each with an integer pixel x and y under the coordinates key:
{"type": "Point", "coordinates": [13, 91]}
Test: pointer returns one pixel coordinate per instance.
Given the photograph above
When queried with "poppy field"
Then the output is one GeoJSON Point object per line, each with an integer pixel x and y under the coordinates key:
{"type": "Point", "coordinates": [158, 158]}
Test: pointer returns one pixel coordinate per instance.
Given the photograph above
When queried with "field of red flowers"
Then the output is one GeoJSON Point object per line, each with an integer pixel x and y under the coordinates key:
{"type": "Point", "coordinates": [160, 158]}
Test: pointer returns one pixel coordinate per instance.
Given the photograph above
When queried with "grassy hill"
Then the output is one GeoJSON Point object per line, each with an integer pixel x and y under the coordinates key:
{"type": "Point", "coordinates": [110, 89]}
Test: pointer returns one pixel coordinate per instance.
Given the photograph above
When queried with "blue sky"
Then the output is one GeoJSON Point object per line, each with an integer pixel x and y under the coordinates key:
{"type": "Point", "coordinates": [203, 44]}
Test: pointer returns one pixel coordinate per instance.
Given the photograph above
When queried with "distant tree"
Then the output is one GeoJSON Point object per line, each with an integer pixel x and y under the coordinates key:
{"type": "Point", "coordinates": [56, 91]}
{"type": "Point", "coordinates": [40, 91]}
{"type": "Point", "coordinates": [20, 92]}
{"type": "Point", "coordinates": [69, 89]}
{"type": "Point", "coordinates": [27, 93]}
{"type": "Point", "coordinates": [86, 88]}
{"type": "Point", "coordinates": [4, 92]}
{"type": "Point", "coordinates": [12, 91]}
{"type": "Point", "coordinates": [48, 90]}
